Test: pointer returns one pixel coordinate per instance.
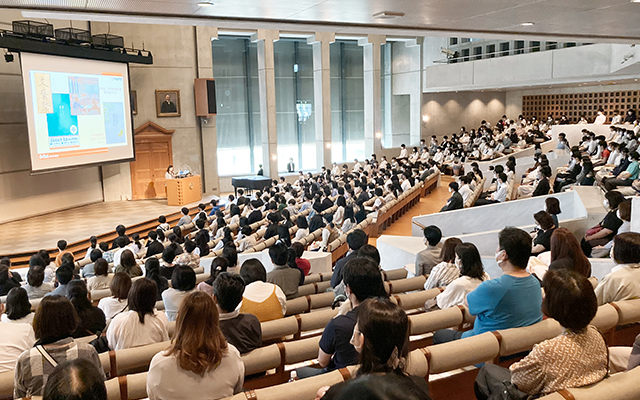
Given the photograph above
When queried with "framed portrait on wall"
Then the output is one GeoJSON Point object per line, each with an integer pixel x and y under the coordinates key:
{"type": "Point", "coordinates": [134, 102]}
{"type": "Point", "coordinates": [168, 103]}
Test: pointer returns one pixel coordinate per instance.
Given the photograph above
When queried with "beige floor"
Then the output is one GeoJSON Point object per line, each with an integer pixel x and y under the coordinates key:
{"type": "Point", "coordinates": [40, 232]}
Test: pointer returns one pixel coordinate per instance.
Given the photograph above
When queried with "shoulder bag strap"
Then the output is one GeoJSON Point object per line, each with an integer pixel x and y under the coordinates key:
{"type": "Point", "coordinates": [46, 355]}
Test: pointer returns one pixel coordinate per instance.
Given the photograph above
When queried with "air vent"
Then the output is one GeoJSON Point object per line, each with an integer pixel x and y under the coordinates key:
{"type": "Point", "coordinates": [388, 14]}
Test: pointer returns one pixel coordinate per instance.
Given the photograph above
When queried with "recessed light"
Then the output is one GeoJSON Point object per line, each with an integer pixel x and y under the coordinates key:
{"type": "Point", "coordinates": [205, 3]}
{"type": "Point", "coordinates": [531, 23]}
{"type": "Point", "coordinates": [635, 1]}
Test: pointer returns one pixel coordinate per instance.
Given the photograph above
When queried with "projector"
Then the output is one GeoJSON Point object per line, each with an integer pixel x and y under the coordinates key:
{"type": "Point", "coordinates": [8, 57]}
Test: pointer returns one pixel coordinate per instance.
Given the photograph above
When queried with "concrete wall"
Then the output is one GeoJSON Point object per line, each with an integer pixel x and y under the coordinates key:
{"type": "Point", "coordinates": [20, 193]}
{"type": "Point", "coordinates": [447, 112]}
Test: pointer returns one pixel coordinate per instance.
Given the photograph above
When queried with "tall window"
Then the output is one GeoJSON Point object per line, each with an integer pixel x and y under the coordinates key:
{"type": "Point", "coordinates": [294, 104]}
{"type": "Point", "coordinates": [347, 102]}
{"type": "Point", "coordinates": [235, 69]}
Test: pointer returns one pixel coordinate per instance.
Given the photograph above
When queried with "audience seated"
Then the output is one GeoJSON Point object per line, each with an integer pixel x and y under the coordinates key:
{"type": "Point", "coordinates": [578, 357]}
{"type": "Point", "coordinates": [64, 275]}
{"type": "Point", "coordinates": [624, 214]}
{"type": "Point", "coordinates": [446, 271]}
{"type": "Point", "coordinates": [199, 364]}
{"type": "Point", "coordinates": [363, 280]}
{"type": "Point", "coordinates": [607, 228]}
{"type": "Point", "coordinates": [189, 257]}
{"type": "Point", "coordinates": [429, 257]}
{"type": "Point", "coordinates": [17, 308]}
{"type": "Point", "coordinates": [623, 282]}
{"type": "Point", "coordinates": [264, 300]}
{"type": "Point", "coordinates": [380, 337]}
{"type": "Point", "coordinates": [36, 287]}
{"type": "Point", "coordinates": [455, 202]}
{"type": "Point", "coordinates": [101, 278]}
{"type": "Point", "coordinates": [7, 281]}
{"type": "Point", "coordinates": [542, 234]}
{"type": "Point", "coordinates": [566, 253]}
{"type": "Point", "coordinates": [241, 330]}
{"type": "Point", "coordinates": [287, 278]}
{"type": "Point", "coordinates": [302, 263]}
{"type": "Point", "coordinates": [128, 264]}
{"type": "Point", "coordinates": [218, 266]}
{"type": "Point", "coordinates": [62, 250]}
{"type": "Point", "coordinates": [89, 270]}
{"type": "Point", "coordinates": [141, 324]}
{"type": "Point", "coordinates": [166, 262]}
{"type": "Point", "coordinates": [355, 240]}
{"type": "Point", "coordinates": [510, 301]}
{"type": "Point", "coordinates": [183, 282]}
{"type": "Point", "coordinates": [91, 319]}
{"type": "Point", "coordinates": [76, 379]}
{"type": "Point", "coordinates": [117, 302]}
{"type": "Point", "coordinates": [469, 263]}
{"type": "Point", "coordinates": [152, 271]}
{"type": "Point", "coordinates": [54, 323]}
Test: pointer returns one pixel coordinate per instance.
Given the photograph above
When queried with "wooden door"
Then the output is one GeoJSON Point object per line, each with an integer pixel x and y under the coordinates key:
{"type": "Point", "coordinates": [153, 155]}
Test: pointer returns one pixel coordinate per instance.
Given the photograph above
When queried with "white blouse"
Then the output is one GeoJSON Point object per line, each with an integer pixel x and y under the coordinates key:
{"type": "Point", "coordinates": [166, 380]}
{"type": "Point", "coordinates": [457, 291]}
{"type": "Point", "coordinates": [126, 331]}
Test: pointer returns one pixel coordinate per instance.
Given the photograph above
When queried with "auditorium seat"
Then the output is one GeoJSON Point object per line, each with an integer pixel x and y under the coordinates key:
{"type": "Point", "coordinates": [620, 386]}
{"type": "Point", "coordinates": [133, 360]}
{"type": "Point", "coordinates": [129, 387]}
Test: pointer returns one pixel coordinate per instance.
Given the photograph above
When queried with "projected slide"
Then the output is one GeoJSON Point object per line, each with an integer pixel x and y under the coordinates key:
{"type": "Point", "coordinates": [77, 117]}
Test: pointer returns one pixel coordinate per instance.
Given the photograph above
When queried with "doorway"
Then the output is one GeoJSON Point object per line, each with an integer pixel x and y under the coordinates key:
{"type": "Point", "coordinates": [154, 154]}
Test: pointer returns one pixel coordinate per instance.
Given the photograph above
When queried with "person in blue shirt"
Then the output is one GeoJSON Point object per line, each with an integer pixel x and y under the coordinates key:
{"type": "Point", "coordinates": [627, 177]}
{"type": "Point", "coordinates": [511, 301]}
{"type": "Point", "coordinates": [216, 207]}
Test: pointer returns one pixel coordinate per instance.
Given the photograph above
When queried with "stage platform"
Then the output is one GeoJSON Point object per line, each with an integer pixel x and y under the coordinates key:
{"type": "Point", "coordinates": [79, 223]}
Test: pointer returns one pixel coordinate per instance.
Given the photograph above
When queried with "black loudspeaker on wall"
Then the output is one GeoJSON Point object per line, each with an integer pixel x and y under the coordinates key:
{"type": "Point", "coordinates": [205, 96]}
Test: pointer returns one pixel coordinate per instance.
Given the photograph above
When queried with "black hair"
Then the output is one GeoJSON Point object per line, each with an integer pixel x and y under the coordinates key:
{"type": "Point", "coordinates": [569, 299]}
{"type": "Point", "coordinates": [433, 234]}
{"type": "Point", "coordinates": [371, 252]}
{"type": "Point", "coordinates": [183, 278]}
{"type": "Point", "coordinates": [18, 305]}
{"type": "Point", "coordinates": [64, 274]}
{"type": "Point", "coordinates": [517, 244]}
{"type": "Point", "coordinates": [228, 289]}
{"type": "Point", "coordinates": [471, 261]}
{"type": "Point", "coordinates": [363, 278]}
{"type": "Point", "coordinates": [252, 270]}
{"type": "Point", "coordinates": [357, 239]}
{"type": "Point", "coordinates": [76, 379]}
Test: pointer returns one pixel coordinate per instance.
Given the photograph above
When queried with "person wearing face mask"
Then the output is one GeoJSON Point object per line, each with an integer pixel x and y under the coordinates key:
{"type": "Point", "coordinates": [363, 280]}
{"type": "Point", "coordinates": [469, 264]}
{"type": "Point", "coordinates": [380, 337]}
{"type": "Point", "coordinates": [607, 228]}
{"type": "Point", "coordinates": [624, 214]}
{"type": "Point", "coordinates": [626, 177]}
{"type": "Point", "coordinates": [444, 273]}
{"type": "Point", "coordinates": [623, 282]}
{"type": "Point", "coordinates": [512, 300]}
{"type": "Point", "coordinates": [455, 202]}
{"type": "Point", "coordinates": [542, 240]}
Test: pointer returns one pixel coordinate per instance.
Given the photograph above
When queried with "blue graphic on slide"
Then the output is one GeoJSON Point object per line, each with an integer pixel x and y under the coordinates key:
{"type": "Point", "coordinates": [85, 95]}
{"type": "Point", "coordinates": [114, 123]}
{"type": "Point", "coordinates": [62, 125]}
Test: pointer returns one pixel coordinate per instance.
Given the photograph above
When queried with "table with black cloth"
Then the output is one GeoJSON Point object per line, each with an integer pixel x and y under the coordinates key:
{"type": "Point", "coordinates": [250, 182]}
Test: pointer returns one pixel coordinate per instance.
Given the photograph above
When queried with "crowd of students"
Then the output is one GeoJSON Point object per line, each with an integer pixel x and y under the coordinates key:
{"type": "Point", "coordinates": [220, 319]}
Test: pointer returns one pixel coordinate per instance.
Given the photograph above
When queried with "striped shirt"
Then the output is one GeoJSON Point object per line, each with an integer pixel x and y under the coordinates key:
{"type": "Point", "coordinates": [32, 369]}
{"type": "Point", "coordinates": [441, 275]}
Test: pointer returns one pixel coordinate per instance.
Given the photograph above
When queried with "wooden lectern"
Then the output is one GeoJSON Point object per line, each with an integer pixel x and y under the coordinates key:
{"type": "Point", "coordinates": [184, 191]}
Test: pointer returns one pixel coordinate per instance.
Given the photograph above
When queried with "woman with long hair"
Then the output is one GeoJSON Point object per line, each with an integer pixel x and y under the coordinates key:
{"type": "Point", "coordinates": [128, 264]}
{"type": "Point", "coordinates": [152, 271]}
{"type": "Point", "coordinates": [446, 272]}
{"type": "Point", "coordinates": [92, 320]}
{"type": "Point", "coordinates": [140, 324]}
{"type": "Point", "coordinates": [18, 307]}
{"type": "Point", "coordinates": [199, 364]}
{"type": "Point", "coordinates": [218, 266]}
{"type": "Point", "coordinates": [117, 302]}
{"type": "Point", "coordinates": [471, 276]}
{"type": "Point", "coordinates": [567, 254]}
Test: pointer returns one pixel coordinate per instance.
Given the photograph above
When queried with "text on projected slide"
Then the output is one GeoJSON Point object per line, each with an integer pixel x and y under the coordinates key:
{"type": "Point", "coordinates": [77, 114]}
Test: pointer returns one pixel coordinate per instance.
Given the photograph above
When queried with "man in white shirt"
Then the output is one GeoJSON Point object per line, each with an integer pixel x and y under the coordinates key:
{"type": "Point", "coordinates": [438, 157]}
{"type": "Point", "coordinates": [356, 165]}
{"type": "Point", "coordinates": [383, 163]}
{"type": "Point", "coordinates": [601, 118]}
{"type": "Point", "coordinates": [465, 191]}
{"type": "Point", "coordinates": [403, 151]}
{"type": "Point", "coordinates": [500, 195]}
{"type": "Point", "coordinates": [405, 185]}
{"type": "Point", "coordinates": [335, 170]}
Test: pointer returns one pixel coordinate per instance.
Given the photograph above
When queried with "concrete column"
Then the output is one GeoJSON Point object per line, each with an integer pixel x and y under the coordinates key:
{"type": "Point", "coordinates": [322, 95]}
{"type": "Point", "coordinates": [211, 184]}
{"type": "Point", "coordinates": [267, 90]}
{"type": "Point", "coordinates": [372, 98]}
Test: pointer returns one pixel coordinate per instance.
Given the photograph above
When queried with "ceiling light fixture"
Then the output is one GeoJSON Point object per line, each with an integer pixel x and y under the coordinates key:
{"type": "Point", "coordinates": [635, 1]}
{"type": "Point", "coordinates": [388, 14]}
{"type": "Point", "coordinates": [205, 3]}
{"type": "Point", "coordinates": [531, 23]}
